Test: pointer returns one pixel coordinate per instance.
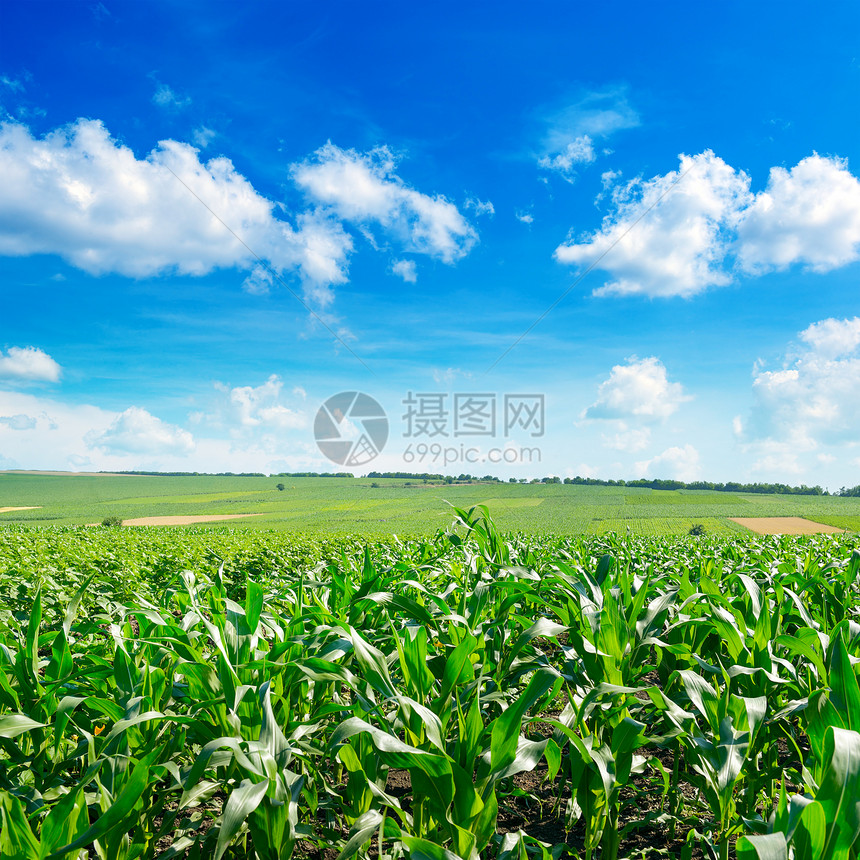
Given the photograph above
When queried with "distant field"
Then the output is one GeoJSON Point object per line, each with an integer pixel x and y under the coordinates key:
{"type": "Point", "coordinates": [342, 505]}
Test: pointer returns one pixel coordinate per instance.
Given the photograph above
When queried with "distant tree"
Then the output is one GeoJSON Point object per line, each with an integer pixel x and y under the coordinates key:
{"type": "Point", "coordinates": [698, 529]}
{"type": "Point", "coordinates": [112, 522]}
{"type": "Point", "coordinates": [374, 485]}
{"type": "Point", "coordinates": [281, 487]}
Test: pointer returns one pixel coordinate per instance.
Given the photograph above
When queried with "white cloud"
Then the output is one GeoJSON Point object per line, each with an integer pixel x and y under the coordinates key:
{"type": "Point", "coordinates": [165, 97]}
{"type": "Point", "coordinates": [364, 189]}
{"type": "Point", "coordinates": [81, 194]}
{"type": "Point", "coordinates": [203, 136]}
{"type": "Point", "coordinates": [580, 150]}
{"type": "Point", "coordinates": [814, 398]}
{"type": "Point", "coordinates": [678, 246]}
{"type": "Point", "coordinates": [639, 389]}
{"type": "Point", "coordinates": [629, 439]}
{"type": "Point", "coordinates": [405, 269]}
{"type": "Point", "coordinates": [28, 364]}
{"type": "Point", "coordinates": [86, 437]}
{"type": "Point", "coordinates": [680, 464]}
{"type": "Point", "coordinates": [252, 407]}
{"type": "Point", "coordinates": [806, 411]}
{"type": "Point", "coordinates": [447, 376]}
{"type": "Point", "coordinates": [136, 431]}
{"type": "Point", "coordinates": [569, 139]}
{"type": "Point", "coordinates": [525, 217]}
{"type": "Point", "coordinates": [480, 207]}
{"type": "Point", "coordinates": [18, 422]}
{"type": "Point", "coordinates": [808, 215]}
{"type": "Point", "coordinates": [832, 338]}
{"type": "Point", "coordinates": [685, 231]}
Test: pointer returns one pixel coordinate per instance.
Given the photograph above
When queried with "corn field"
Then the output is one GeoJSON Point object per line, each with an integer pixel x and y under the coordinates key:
{"type": "Point", "coordinates": [473, 695]}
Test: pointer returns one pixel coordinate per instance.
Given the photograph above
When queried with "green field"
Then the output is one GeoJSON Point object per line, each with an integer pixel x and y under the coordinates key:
{"type": "Point", "coordinates": [343, 506]}
{"type": "Point", "coordinates": [260, 695]}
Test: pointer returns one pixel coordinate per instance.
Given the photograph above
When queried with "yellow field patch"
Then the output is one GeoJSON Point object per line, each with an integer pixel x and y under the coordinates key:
{"type": "Point", "coordinates": [28, 508]}
{"type": "Point", "coordinates": [185, 521]}
{"type": "Point", "coordinates": [784, 526]}
{"type": "Point", "coordinates": [528, 502]}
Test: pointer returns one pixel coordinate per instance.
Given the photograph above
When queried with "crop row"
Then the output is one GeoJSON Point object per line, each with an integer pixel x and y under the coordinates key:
{"type": "Point", "coordinates": [431, 699]}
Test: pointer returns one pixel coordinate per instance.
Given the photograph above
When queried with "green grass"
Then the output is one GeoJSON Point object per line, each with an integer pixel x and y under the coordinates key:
{"type": "Point", "coordinates": [344, 506]}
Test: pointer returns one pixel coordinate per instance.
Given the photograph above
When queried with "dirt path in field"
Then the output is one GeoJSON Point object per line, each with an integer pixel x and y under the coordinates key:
{"type": "Point", "coordinates": [29, 508]}
{"type": "Point", "coordinates": [785, 526]}
{"type": "Point", "coordinates": [185, 521]}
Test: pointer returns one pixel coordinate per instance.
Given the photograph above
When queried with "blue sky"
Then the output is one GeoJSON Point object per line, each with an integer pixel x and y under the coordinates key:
{"type": "Point", "coordinates": [215, 216]}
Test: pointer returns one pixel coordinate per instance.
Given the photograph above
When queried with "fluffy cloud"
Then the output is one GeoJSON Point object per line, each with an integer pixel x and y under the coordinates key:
{"type": "Point", "coordinates": [81, 194]}
{"type": "Point", "coordinates": [832, 338]}
{"type": "Point", "coordinates": [667, 235]}
{"type": "Point", "coordinates": [808, 215]}
{"type": "Point", "coordinates": [136, 431]}
{"type": "Point", "coordinates": [405, 269]}
{"type": "Point", "coordinates": [28, 364]}
{"type": "Point", "coordinates": [259, 407]}
{"type": "Point", "coordinates": [570, 135]}
{"type": "Point", "coordinates": [811, 402]}
{"type": "Point", "coordinates": [364, 189]}
{"type": "Point", "coordinates": [681, 464]}
{"type": "Point", "coordinates": [580, 150]}
{"type": "Point", "coordinates": [639, 389]}
{"type": "Point", "coordinates": [815, 397]}
{"type": "Point", "coordinates": [683, 232]}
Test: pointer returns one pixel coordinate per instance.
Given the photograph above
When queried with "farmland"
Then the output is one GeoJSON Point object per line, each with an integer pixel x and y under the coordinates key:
{"type": "Point", "coordinates": [246, 693]}
{"type": "Point", "coordinates": [562, 672]}
{"type": "Point", "coordinates": [326, 506]}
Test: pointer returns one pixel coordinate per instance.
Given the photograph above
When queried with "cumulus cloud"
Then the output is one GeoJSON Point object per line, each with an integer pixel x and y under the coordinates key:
{"type": "Point", "coordinates": [363, 188]}
{"type": "Point", "coordinates": [136, 431]}
{"type": "Point", "coordinates": [680, 464]}
{"type": "Point", "coordinates": [258, 407]}
{"type": "Point", "coordinates": [832, 338]}
{"type": "Point", "coordinates": [405, 269]}
{"type": "Point", "coordinates": [814, 398]}
{"type": "Point", "coordinates": [81, 194]}
{"type": "Point", "coordinates": [28, 364]}
{"type": "Point", "coordinates": [683, 232]}
{"type": "Point", "coordinates": [666, 236]}
{"type": "Point", "coordinates": [639, 389]}
{"type": "Point", "coordinates": [572, 132]}
{"type": "Point", "coordinates": [808, 215]}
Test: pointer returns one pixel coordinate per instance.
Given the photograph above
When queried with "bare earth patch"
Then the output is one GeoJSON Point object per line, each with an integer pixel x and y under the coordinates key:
{"type": "Point", "coordinates": [28, 508]}
{"type": "Point", "coordinates": [785, 526]}
{"type": "Point", "coordinates": [185, 521]}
